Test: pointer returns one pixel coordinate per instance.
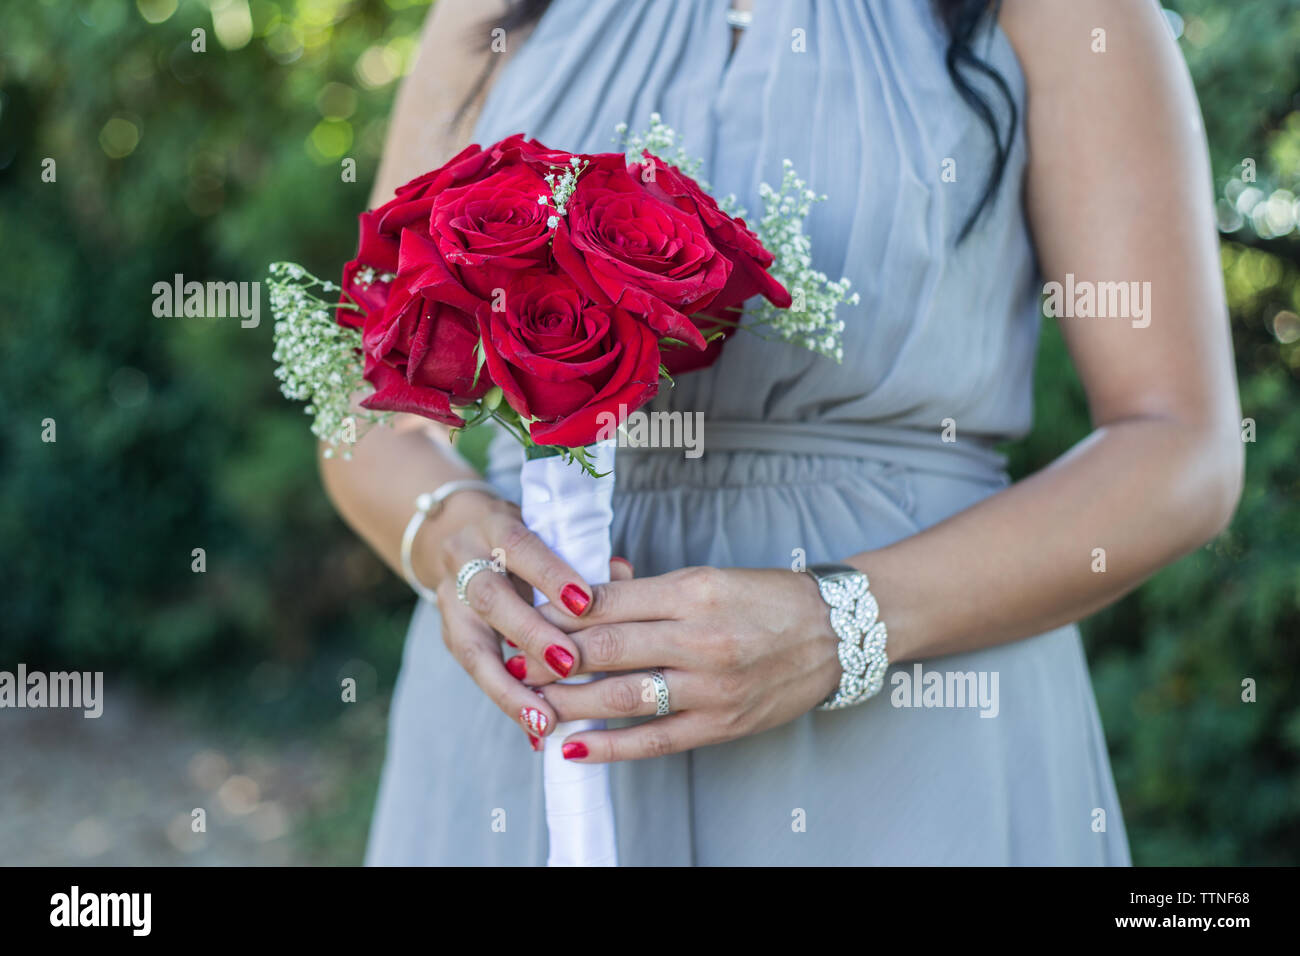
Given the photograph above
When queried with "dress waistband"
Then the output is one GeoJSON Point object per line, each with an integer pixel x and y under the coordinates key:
{"type": "Point", "coordinates": [967, 457]}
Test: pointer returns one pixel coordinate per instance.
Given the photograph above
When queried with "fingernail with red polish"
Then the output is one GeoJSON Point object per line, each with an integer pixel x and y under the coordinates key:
{"type": "Point", "coordinates": [575, 599]}
{"type": "Point", "coordinates": [535, 742]}
{"type": "Point", "coordinates": [517, 667]}
{"type": "Point", "coordinates": [510, 642]}
{"type": "Point", "coordinates": [534, 720]}
{"type": "Point", "coordinates": [559, 660]}
{"type": "Point", "coordinates": [624, 560]}
{"type": "Point", "coordinates": [574, 750]}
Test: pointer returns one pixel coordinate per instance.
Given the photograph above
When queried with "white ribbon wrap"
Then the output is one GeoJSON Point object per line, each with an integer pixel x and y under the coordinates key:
{"type": "Point", "coordinates": [571, 512]}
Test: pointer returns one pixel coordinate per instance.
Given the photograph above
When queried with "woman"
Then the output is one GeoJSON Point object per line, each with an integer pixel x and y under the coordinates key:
{"type": "Point", "coordinates": [971, 155]}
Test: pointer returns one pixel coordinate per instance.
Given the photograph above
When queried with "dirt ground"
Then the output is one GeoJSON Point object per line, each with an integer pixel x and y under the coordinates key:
{"type": "Point", "coordinates": [123, 789]}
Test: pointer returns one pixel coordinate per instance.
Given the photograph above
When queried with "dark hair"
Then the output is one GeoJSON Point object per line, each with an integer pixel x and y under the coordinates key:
{"type": "Point", "coordinates": [962, 18]}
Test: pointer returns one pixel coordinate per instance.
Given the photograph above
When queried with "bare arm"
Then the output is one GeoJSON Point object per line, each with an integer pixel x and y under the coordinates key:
{"type": "Point", "coordinates": [1118, 190]}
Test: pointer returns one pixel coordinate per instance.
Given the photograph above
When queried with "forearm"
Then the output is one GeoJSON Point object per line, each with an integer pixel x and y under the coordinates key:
{"type": "Point", "coordinates": [1023, 561]}
{"type": "Point", "coordinates": [375, 491]}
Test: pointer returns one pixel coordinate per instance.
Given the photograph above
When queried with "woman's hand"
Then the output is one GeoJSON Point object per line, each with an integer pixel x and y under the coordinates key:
{"type": "Point", "coordinates": [474, 525]}
{"type": "Point", "coordinates": [741, 651]}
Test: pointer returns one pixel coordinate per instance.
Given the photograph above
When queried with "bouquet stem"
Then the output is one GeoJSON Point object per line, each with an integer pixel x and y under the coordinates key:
{"type": "Point", "coordinates": [571, 511]}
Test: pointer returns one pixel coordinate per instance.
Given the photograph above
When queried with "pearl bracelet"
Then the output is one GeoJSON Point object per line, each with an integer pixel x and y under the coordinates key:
{"type": "Point", "coordinates": [427, 506]}
{"type": "Point", "coordinates": [855, 618]}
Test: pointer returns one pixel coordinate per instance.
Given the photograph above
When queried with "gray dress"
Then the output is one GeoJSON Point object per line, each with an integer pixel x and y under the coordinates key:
{"type": "Point", "coordinates": [802, 456]}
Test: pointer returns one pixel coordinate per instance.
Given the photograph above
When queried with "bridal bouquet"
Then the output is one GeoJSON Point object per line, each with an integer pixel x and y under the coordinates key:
{"type": "Point", "coordinates": [549, 292]}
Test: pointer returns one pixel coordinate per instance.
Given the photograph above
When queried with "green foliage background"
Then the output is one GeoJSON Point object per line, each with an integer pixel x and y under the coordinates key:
{"type": "Point", "coordinates": [172, 435]}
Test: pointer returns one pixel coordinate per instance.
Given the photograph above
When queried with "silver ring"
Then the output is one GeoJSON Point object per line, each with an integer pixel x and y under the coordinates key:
{"type": "Point", "coordinates": [661, 692]}
{"type": "Point", "coordinates": [467, 571]}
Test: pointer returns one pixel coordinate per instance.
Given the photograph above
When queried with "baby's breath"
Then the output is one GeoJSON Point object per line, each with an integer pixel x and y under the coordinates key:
{"type": "Point", "coordinates": [318, 360]}
{"type": "Point", "coordinates": [563, 180]}
{"type": "Point", "coordinates": [810, 321]}
{"type": "Point", "coordinates": [660, 140]}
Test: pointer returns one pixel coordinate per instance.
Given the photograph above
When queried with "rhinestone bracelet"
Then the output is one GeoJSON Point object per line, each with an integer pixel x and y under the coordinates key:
{"type": "Point", "coordinates": [855, 618]}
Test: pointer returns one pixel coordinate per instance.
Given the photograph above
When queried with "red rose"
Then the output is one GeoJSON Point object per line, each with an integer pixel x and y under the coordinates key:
{"type": "Point", "coordinates": [376, 256]}
{"type": "Point", "coordinates": [488, 229]}
{"type": "Point", "coordinates": [563, 359]}
{"type": "Point", "coordinates": [678, 359]}
{"type": "Point", "coordinates": [520, 149]}
{"type": "Point", "coordinates": [426, 261]}
{"type": "Point", "coordinates": [729, 235]}
{"type": "Point", "coordinates": [626, 247]}
{"type": "Point", "coordinates": [733, 239]}
{"type": "Point", "coordinates": [381, 232]}
{"type": "Point", "coordinates": [466, 221]}
{"type": "Point", "coordinates": [576, 335]}
{"type": "Point", "coordinates": [420, 353]}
